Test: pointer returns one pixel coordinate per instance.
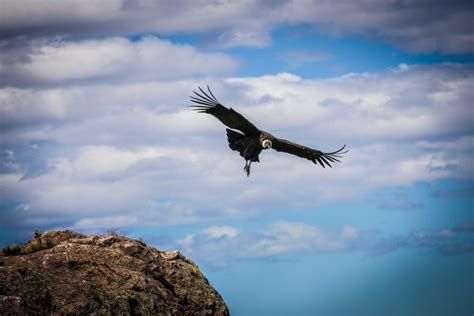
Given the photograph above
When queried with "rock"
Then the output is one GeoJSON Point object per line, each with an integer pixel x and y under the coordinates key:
{"type": "Point", "coordinates": [63, 272]}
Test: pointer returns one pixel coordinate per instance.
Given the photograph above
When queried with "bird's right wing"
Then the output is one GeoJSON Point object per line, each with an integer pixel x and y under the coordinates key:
{"type": "Point", "coordinates": [316, 156]}
{"type": "Point", "coordinates": [207, 103]}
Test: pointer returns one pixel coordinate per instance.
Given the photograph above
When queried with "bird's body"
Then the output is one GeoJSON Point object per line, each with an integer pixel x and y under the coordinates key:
{"type": "Point", "coordinates": [250, 146]}
{"type": "Point", "coordinates": [250, 141]}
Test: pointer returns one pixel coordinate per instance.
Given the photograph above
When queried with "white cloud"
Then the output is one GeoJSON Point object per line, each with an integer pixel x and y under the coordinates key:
{"type": "Point", "coordinates": [26, 106]}
{"type": "Point", "coordinates": [214, 245]}
{"type": "Point", "coordinates": [280, 238]}
{"type": "Point", "coordinates": [134, 149]}
{"type": "Point", "coordinates": [421, 26]}
{"type": "Point", "coordinates": [253, 35]}
{"type": "Point", "coordinates": [349, 232]}
{"type": "Point", "coordinates": [97, 161]}
{"type": "Point", "coordinates": [220, 231]}
{"type": "Point", "coordinates": [98, 222]}
{"type": "Point", "coordinates": [283, 237]}
{"type": "Point", "coordinates": [399, 105]}
{"type": "Point", "coordinates": [124, 106]}
{"type": "Point", "coordinates": [117, 59]}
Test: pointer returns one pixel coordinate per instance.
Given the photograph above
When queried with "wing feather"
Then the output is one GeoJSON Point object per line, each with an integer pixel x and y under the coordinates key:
{"type": "Point", "coordinates": [316, 156]}
{"type": "Point", "coordinates": [207, 103]}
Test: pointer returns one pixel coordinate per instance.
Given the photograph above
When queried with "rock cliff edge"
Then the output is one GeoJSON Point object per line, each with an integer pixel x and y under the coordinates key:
{"type": "Point", "coordinates": [64, 272]}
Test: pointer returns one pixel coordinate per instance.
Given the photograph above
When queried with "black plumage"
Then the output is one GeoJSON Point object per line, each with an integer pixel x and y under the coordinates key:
{"type": "Point", "coordinates": [252, 140]}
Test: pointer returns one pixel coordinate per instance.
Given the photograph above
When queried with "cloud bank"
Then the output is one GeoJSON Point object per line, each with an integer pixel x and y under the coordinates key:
{"type": "Point", "coordinates": [130, 152]}
{"type": "Point", "coordinates": [219, 245]}
{"type": "Point", "coordinates": [421, 26]}
{"type": "Point", "coordinates": [53, 62]}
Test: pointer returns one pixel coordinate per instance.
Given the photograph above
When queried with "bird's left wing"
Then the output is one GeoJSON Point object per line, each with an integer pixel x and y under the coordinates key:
{"type": "Point", "coordinates": [207, 103]}
{"type": "Point", "coordinates": [316, 156]}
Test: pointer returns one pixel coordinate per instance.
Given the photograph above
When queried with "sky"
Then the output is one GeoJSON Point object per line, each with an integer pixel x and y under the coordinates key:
{"type": "Point", "coordinates": [95, 133]}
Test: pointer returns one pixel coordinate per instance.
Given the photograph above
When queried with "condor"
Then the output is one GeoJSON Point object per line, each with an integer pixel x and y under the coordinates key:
{"type": "Point", "coordinates": [252, 140]}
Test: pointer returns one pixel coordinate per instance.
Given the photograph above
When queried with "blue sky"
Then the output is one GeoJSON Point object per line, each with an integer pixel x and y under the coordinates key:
{"type": "Point", "coordinates": [95, 134]}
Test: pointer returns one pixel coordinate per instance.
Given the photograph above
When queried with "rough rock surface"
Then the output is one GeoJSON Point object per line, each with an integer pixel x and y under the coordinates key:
{"type": "Point", "coordinates": [63, 272]}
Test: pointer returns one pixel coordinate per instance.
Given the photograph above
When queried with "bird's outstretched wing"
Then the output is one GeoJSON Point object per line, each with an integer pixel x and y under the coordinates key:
{"type": "Point", "coordinates": [207, 103]}
{"type": "Point", "coordinates": [316, 156]}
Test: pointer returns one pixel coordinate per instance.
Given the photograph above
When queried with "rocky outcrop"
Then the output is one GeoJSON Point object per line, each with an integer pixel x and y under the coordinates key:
{"type": "Point", "coordinates": [63, 272]}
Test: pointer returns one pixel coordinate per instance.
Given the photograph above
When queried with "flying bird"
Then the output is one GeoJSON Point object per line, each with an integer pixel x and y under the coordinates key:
{"type": "Point", "coordinates": [250, 141]}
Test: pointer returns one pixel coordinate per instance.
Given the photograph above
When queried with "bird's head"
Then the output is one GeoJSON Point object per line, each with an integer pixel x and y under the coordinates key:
{"type": "Point", "coordinates": [266, 143]}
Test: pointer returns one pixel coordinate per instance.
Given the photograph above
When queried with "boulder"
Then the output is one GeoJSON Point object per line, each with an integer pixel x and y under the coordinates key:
{"type": "Point", "coordinates": [64, 272]}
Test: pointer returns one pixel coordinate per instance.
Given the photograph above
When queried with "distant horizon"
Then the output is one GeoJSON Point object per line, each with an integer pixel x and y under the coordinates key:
{"type": "Point", "coordinates": [96, 133]}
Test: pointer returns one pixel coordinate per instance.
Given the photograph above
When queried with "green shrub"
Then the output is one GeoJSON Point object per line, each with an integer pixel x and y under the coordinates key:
{"type": "Point", "coordinates": [37, 245]}
{"type": "Point", "coordinates": [114, 232]}
{"type": "Point", "coordinates": [36, 233]}
{"type": "Point", "coordinates": [12, 250]}
{"type": "Point", "coordinates": [41, 244]}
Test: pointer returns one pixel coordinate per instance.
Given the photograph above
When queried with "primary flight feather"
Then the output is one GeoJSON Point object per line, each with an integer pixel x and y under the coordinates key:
{"type": "Point", "coordinates": [252, 140]}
